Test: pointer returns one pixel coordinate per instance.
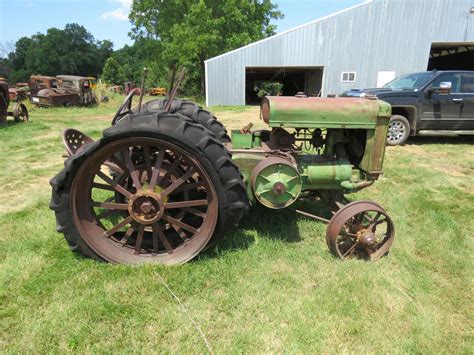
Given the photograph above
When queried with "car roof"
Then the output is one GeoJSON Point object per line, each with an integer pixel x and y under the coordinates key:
{"type": "Point", "coordinates": [72, 77]}
{"type": "Point", "coordinates": [43, 77]}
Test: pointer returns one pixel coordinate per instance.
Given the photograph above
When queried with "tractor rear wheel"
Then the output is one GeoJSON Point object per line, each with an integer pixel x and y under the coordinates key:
{"type": "Point", "coordinates": [194, 112]}
{"type": "Point", "coordinates": [156, 188]}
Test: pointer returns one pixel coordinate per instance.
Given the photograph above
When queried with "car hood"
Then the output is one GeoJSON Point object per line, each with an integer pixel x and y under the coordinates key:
{"type": "Point", "coordinates": [386, 92]}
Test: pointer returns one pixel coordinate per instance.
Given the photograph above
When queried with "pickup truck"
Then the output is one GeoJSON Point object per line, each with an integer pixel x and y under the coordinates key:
{"type": "Point", "coordinates": [441, 101]}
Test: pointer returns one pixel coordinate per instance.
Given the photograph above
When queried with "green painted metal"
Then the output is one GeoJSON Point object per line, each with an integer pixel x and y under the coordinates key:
{"type": "Point", "coordinates": [245, 140]}
{"type": "Point", "coordinates": [277, 185]}
{"type": "Point", "coordinates": [246, 160]}
{"type": "Point", "coordinates": [350, 113]}
{"type": "Point", "coordinates": [276, 178]}
{"type": "Point", "coordinates": [241, 140]}
{"type": "Point", "coordinates": [374, 153]}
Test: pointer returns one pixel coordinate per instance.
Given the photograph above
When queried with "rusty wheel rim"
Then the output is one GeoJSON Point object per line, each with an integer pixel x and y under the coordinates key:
{"type": "Point", "coordinates": [140, 200]}
{"type": "Point", "coordinates": [360, 229]}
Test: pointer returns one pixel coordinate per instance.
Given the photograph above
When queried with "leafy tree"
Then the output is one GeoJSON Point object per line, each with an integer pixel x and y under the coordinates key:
{"type": "Point", "coordinates": [113, 72]}
{"type": "Point", "coordinates": [192, 31]}
{"type": "Point", "coordinates": [72, 50]}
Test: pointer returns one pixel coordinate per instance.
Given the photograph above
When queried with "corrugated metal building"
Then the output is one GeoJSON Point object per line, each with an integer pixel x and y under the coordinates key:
{"type": "Point", "coordinates": [362, 46]}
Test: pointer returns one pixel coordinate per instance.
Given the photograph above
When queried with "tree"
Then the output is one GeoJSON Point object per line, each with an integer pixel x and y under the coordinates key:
{"type": "Point", "coordinates": [72, 50]}
{"type": "Point", "coordinates": [112, 73]}
{"type": "Point", "coordinates": [192, 31]}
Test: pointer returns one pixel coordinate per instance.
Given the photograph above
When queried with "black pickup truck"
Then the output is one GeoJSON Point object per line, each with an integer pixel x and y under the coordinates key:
{"type": "Point", "coordinates": [428, 101]}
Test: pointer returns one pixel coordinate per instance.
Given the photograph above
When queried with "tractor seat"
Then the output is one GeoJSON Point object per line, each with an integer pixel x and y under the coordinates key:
{"type": "Point", "coordinates": [75, 141]}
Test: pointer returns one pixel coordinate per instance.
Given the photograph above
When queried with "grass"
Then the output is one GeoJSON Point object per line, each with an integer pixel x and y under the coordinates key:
{"type": "Point", "coordinates": [270, 286]}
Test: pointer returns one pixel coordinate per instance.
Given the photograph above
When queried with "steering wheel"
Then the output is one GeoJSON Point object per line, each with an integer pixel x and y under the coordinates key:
{"type": "Point", "coordinates": [126, 107]}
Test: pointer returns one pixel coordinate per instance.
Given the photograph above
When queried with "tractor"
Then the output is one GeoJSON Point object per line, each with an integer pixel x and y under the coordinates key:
{"type": "Point", "coordinates": [166, 180]}
{"type": "Point", "coordinates": [7, 95]}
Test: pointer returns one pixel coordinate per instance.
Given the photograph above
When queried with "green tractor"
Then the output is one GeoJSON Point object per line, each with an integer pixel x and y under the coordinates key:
{"type": "Point", "coordinates": [166, 181]}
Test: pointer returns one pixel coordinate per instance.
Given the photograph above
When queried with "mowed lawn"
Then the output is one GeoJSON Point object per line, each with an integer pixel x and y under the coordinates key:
{"type": "Point", "coordinates": [270, 286]}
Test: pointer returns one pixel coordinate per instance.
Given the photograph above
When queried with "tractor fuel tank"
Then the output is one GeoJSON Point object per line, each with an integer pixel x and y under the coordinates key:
{"type": "Point", "coordinates": [315, 112]}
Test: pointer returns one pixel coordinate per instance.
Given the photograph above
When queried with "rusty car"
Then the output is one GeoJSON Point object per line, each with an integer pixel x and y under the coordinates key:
{"type": "Point", "coordinates": [71, 90]}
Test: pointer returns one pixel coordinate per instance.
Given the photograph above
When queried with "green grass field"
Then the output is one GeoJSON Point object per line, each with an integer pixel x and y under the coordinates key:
{"type": "Point", "coordinates": [270, 286]}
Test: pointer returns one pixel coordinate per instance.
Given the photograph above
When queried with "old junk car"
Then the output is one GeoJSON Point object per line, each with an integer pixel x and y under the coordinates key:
{"type": "Point", "coordinates": [70, 91]}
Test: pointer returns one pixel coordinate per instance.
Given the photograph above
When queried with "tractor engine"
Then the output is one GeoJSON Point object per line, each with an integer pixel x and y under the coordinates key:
{"type": "Point", "coordinates": [314, 145]}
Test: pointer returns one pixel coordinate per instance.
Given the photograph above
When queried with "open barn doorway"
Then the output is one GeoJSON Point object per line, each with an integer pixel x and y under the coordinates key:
{"type": "Point", "coordinates": [451, 56]}
{"type": "Point", "coordinates": [293, 80]}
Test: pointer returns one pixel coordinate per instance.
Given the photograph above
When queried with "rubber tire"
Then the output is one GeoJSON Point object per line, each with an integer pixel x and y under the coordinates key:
{"type": "Point", "coordinates": [405, 122]}
{"type": "Point", "coordinates": [194, 112]}
{"type": "Point", "coordinates": [179, 130]}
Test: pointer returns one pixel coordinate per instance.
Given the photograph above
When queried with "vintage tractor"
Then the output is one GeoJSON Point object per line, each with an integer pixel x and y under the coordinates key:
{"type": "Point", "coordinates": [165, 180]}
{"type": "Point", "coordinates": [7, 94]}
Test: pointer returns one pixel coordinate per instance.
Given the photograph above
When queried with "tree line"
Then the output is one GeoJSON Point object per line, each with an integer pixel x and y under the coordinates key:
{"type": "Point", "coordinates": [167, 35]}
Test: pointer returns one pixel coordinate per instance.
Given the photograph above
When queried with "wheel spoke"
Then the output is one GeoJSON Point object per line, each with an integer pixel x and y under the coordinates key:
{"type": "Point", "coordinates": [115, 228]}
{"type": "Point", "coordinates": [350, 250]}
{"type": "Point", "coordinates": [113, 160]}
{"type": "Point", "coordinates": [107, 214]}
{"type": "Point", "coordinates": [360, 217]}
{"type": "Point", "coordinates": [157, 231]}
{"type": "Point", "coordinates": [156, 170]}
{"type": "Point", "coordinates": [110, 205]}
{"type": "Point", "coordinates": [351, 235]}
{"type": "Point", "coordinates": [191, 186]}
{"type": "Point", "coordinates": [374, 221]}
{"type": "Point", "coordinates": [146, 153]}
{"type": "Point", "coordinates": [127, 235]}
{"type": "Point", "coordinates": [178, 223]}
{"type": "Point", "coordinates": [102, 186]}
{"type": "Point", "coordinates": [178, 183]}
{"type": "Point", "coordinates": [195, 212]}
{"type": "Point", "coordinates": [116, 186]}
{"type": "Point", "coordinates": [172, 168]}
{"type": "Point", "coordinates": [180, 233]}
{"type": "Point", "coordinates": [138, 243]}
{"type": "Point", "coordinates": [131, 168]}
{"type": "Point", "coordinates": [183, 204]}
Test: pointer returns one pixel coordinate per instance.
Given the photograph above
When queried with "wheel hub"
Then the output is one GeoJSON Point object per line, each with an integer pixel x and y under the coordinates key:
{"type": "Point", "coordinates": [396, 130]}
{"type": "Point", "coordinates": [367, 239]}
{"type": "Point", "coordinates": [146, 207]}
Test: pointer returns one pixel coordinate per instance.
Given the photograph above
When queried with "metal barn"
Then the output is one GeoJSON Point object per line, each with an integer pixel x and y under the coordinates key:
{"type": "Point", "coordinates": [363, 46]}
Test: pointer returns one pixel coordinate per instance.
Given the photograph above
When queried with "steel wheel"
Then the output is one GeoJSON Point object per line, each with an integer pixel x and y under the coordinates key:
{"type": "Point", "coordinates": [360, 229]}
{"type": "Point", "coordinates": [141, 200]}
{"type": "Point", "coordinates": [20, 113]}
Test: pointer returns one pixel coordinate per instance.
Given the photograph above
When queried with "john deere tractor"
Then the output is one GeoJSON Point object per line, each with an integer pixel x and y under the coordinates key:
{"type": "Point", "coordinates": [166, 180]}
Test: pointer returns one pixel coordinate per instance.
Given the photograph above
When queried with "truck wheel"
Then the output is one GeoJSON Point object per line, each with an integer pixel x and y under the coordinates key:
{"type": "Point", "coordinates": [155, 189]}
{"type": "Point", "coordinates": [193, 111]}
{"type": "Point", "coordinates": [398, 130]}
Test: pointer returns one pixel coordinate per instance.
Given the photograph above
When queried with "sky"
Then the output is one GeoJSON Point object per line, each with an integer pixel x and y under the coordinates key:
{"type": "Point", "coordinates": [107, 19]}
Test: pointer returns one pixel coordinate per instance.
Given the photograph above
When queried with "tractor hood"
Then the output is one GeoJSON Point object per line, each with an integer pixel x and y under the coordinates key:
{"type": "Point", "coordinates": [315, 112]}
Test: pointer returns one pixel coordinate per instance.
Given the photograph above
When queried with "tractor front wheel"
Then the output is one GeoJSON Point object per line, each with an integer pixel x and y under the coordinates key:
{"type": "Point", "coordinates": [360, 229]}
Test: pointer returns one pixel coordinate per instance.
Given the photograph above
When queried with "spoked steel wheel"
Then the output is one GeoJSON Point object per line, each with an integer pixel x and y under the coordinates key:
{"type": "Point", "coordinates": [20, 113]}
{"type": "Point", "coordinates": [360, 229]}
{"type": "Point", "coordinates": [144, 199]}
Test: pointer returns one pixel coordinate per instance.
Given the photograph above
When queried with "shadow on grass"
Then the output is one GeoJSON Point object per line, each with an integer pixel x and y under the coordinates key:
{"type": "Point", "coordinates": [421, 140]}
{"type": "Point", "coordinates": [267, 223]}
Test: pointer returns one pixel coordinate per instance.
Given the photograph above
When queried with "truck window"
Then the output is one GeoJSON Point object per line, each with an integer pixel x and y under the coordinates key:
{"type": "Point", "coordinates": [467, 83]}
{"type": "Point", "coordinates": [454, 79]}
